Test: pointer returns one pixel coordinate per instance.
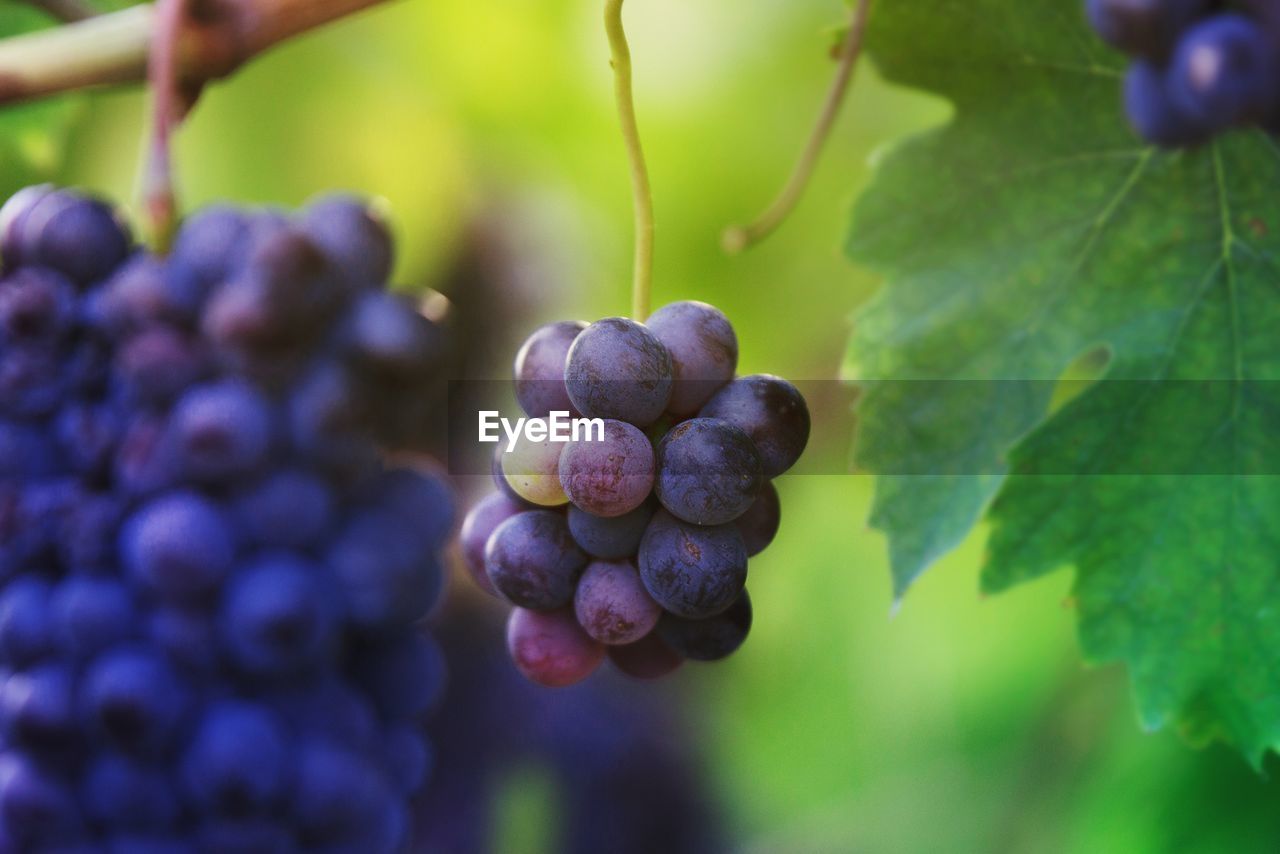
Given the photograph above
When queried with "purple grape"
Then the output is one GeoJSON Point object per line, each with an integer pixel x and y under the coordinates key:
{"type": "Point", "coordinates": [275, 616]}
{"type": "Point", "coordinates": [238, 759]}
{"type": "Point", "coordinates": [342, 801]}
{"type": "Point", "coordinates": [209, 249]}
{"type": "Point", "coordinates": [222, 431]}
{"type": "Point", "coordinates": [132, 696]}
{"type": "Point", "coordinates": [709, 472]}
{"type": "Point", "coordinates": [408, 757]}
{"type": "Point", "coordinates": [124, 793]}
{"type": "Point", "coordinates": [1224, 72]}
{"type": "Point", "coordinates": [533, 561]}
{"type": "Point", "coordinates": [143, 293]}
{"type": "Point", "coordinates": [540, 369]}
{"type": "Point", "coordinates": [610, 476]}
{"type": "Point", "coordinates": [353, 235]}
{"type": "Point", "coordinates": [612, 605]}
{"type": "Point", "coordinates": [550, 648]}
{"type": "Point", "coordinates": [386, 575]}
{"type": "Point", "coordinates": [90, 614]}
{"type": "Point", "coordinates": [14, 240]}
{"type": "Point", "coordinates": [759, 525]}
{"type": "Point", "coordinates": [26, 622]}
{"type": "Point", "coordinates": [690, 570]}
{"type": "Point", "coordinates": [180, 545]}
{"type": "Point", "coordinates": [38, 707]}
{"type": "Point", "coordinates": [36, 810]}
{"type": "Point", "coordinates": [36, 308]}
{"type": "Point", "coordinates": [402, 675]}
{"type": "Point", "coordinates": [703, 348]}
{"type": "Point", "coordinates": [710, 639]}
{"type": "Point", "coordinates": [771, 411]}
{"type": "Point", "coordinates": [246, 836]}
{"type": "Point", "coordinates": [78, 236]}
{"type": "Point", "coordinates": [479, 525]}
{"type": "Point", "coordinates": [288, 508]}
{"type": "Point", "coordinates": [618, 369]}
{"type": "Point", "coordinates": [386, 333]}
{"type": "Point", "coordinates": [610, 538]}
{"type": "Point", "coordinates": [647, 658]}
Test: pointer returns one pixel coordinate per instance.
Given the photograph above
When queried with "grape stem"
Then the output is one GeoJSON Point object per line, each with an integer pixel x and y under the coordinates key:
{"type": "Point", "coordinates": [67, 11]}
{"type": "Point", "coordinates": [219, 37]}
{"type": "Point", "coordinates": [620, 59]}
{"type": "Point", "coordinates": [740, 237]}
{"type": "Point", "coordinates": [167, 110]}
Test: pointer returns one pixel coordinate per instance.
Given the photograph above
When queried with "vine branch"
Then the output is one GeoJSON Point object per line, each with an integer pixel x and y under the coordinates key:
{"type": "Point", "coordinates": [620, 59]}
{"type": "Point", "coordinates": [740, 237]}
{"type": "Point", "coordinates": [169, 105]}
{"type": "Point", "coordinates": [217, 38]}
{"type": "Point", "coordinates": [65, 10]}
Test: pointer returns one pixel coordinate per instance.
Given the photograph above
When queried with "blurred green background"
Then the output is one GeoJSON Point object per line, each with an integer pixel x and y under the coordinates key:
{"type": "Point", "coordinates": [956, 724]}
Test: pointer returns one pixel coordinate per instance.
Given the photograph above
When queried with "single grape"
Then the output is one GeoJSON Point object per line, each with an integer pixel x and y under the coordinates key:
{"type": "Point", "coordinates": [354, 235]}
{"type": "Point", "coordinates": [1152, 112]}
{"type": "Point", "coordinates": [38, 707]}
{"type": "Point", "coordinates": [408, 757]}
{"type": "Point", "coordinates": [386, 333]}
{"type": "Point", "coordinates": [709, 471]}
{"type": "Point", "coordinates": [612, 605]}
{"type": "Point", "coordinates": [479, 525]}
{"type": "Point", "coordinates": [237, 760]}
{"type": "Point", "coordinates": [14, 242]}
{"type": "Point", "coordinates": [532, 470]}
{"type": "Point", "coordinates": [1224, 72]}
{"type": "Point", "coordinates": [124, 793]}
{"type": "Point", "coordinates": [500, 479]}
{"type": "Point", "coordinates": [421, 498]}
{"type": "Point", "coordinates": [610, 538]}
{"type": "Point", "coordinates": [209, 248]}
{"type": "Point", "coordinates": [711, 639]}
{"type": "Point", "coordinates": [288, 508]}
{"type": "Point", "coordinates": [275, 616]}
{"type": "Point", "coordinates": [610, 476]}
{"type": "Point", "coordinates": [690, 570]}
{"type": "Point", "coordinates": [36, 810]}
{"type": "Point", "coordinates": [342, 802]}
{"type": "Point", "coordinates": [223, 431]}
{"type": "Point", "coordinates": [618, 369]}
{"type": "Point", "coordinates": [78, 236]}
{"type": "Point", "coordinates": [533, 561]}
{"type": "Point", "coordinates": [771, 411]}
{"type": "Point", "coordinates": [1146, 28]}
{"type": "Point", "coordinates": [703, 348]}
{"type": "Point", "coordinates": [403, 675]}
{"type": "Point", "coordinates": [540, 366]}
{"type": "Point", "coordinates": [759, 525]}
{"type": "Point", "coordinates": [647, 658]}
{"type": "Point", "coordinates": [132, 696]}
{"type": "Point", "coordinates": [385, 573]}
{"type": "Point", "coordinates": [550, 648]}
{"type": "Point", "coordinates": [26, 621]}
{"type": "Point", "coordinates": [37, 307]}
{"type": "Point", "coordinates": [180, 545]}
{"type": "Point", "coordinates": [90, 614]}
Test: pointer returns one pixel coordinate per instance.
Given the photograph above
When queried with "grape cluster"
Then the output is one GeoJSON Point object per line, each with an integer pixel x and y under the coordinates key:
{"type": "Point", "coordinates": [209, 575]}
{"type": "Point", "coordinates": [634, 544]}
{"type": "Point", "coordinates": [1199, 66]}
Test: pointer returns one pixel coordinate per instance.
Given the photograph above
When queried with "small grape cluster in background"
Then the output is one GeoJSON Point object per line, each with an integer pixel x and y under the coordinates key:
{"type": "Point", "coordinates": [1199, 67]}
{"type": "Point", "coordinates": [635, 546]}
{"type": "Point", "coordinates": [209, 576]}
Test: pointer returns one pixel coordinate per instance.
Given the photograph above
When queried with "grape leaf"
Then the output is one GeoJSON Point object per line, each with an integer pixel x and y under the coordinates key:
{"type": "Point", "coordinates": [32, 136]}
{"type": "Point", "coordinates": [1031, 229]}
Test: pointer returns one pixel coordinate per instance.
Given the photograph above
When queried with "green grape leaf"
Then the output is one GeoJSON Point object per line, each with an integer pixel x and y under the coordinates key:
{"type": "Point", "coordinates": [32, 136]}
{"type": "Point", "coordinates": [1030, 230]}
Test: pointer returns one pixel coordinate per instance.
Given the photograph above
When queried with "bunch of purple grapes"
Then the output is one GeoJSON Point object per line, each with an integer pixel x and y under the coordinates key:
{"type": "Point", "coordinates": [1199, 67]}
{"type": "Point", "coordinates": [633, 543]}
{"type": "Point", "coordinates": [209, 575]}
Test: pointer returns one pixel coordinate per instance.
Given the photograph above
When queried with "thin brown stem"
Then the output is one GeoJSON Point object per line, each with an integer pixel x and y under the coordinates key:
{"type": "Point", "coordinates": [740, 237]}
{"type": "Point", "coordinates": [220, 36]}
